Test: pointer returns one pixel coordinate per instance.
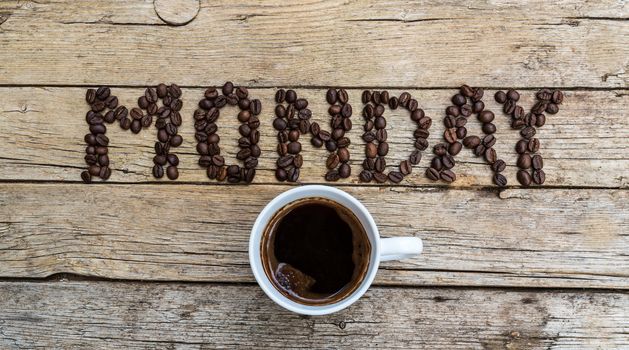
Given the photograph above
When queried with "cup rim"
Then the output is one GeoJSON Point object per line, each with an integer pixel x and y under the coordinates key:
{"type": "Point", "coordinates": [302, 192]}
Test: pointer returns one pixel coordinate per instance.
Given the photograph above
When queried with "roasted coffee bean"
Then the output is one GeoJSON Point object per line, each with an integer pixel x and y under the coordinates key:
{"type": "Point", "coordinates": [540, 120]}
{"type": "Point", "coordinates": [331, 146]}
{"type": "Point", "coordinates": [151, 95]}
{"type": "Point", "coordinates": [368, 112]}
{"type": "Point", "coordinates": [486, 117]}
{"type": "Point", "coordinates": [343, 142]}
{"type": "Point", "coordinates": [343, 154]}
{"type": "Point", "coordinates": [255, 150]}
{"type": "Point", "coordinates": [98, 106]}
{"type": "Point", "coordinates": [213, 138]}
{"type": "Point", "coordinates": [405, 167]}
{"type": "Point", "coordinates": [102, 140]}
{"type": "Point", "coordinates": [172, 173]}
{"type": "Point", "coordinates": [212, 171]}
{"type": "Point", "coordinates": [466, 110]}
{"type": "Point", "coordinates": [255, 107]}
{"type": "Point", "coordinates": [557, 97]}
{"type": "Point", "coordinates": [500, 97]}
{"type": "Point", "coordinates": [467, 91]}
{"type": "Point", "coordinates": [222, 174]}
{"type": "Point", "coordinates": [490, 155]}
{"type": "Point", "coordinates": [146, 121]}
{"type": "Point", "coordinates": [424, 123]}
{"type": "Point", "coordinates": [86, 177]}
{"type": "Point", "coordinates": [479, 150]}
{"type": "Point", "coordinates": [152, 109]}
{"type": "Point", "coordinates": [432, 174]}
{"type": "Point", "coordinates": [90, 159]}
{"type": "Point", "coordinates": [369, 163]}
{"type": "Point", "coordinates": [281, 174]}
{"type": "Point", "coordinates": [111, 102]}
{"type": "Point", "coordinates": [517, 123]}
{"type": "Point", "coordinates": [121, 112]}
{"type": "Point", "coordinates": [521, 146]}
{"type": "Point", "coordinates": [94, 170]}
{"type": "Point", "coordinates": [345, 171]}
{"type": "Point", "coordinates": [489, 141]}
{"type": "Point", "coordinates": [243, 154]}
{"type": "Point", "coordinates": [254, 137]}
{"type": "Point", "coordinates": [160, 159]}
{"type": "Point", "coordinates": [412, 105]}
{"type": "Point", "coordinates": [371, 150]}
{"type": "Point", "coordinates": [404, 98]}
{"type": "Point", "coordinates": [450, 121]}
{"type": "Point", "coordinates": [366, 96]}
{"type": "Point", "coordinates": [293, 174]}
{"type": "Point", "coordinates": [453, 111]}
{"type": "Point", "coordinates": [528, 132]}
{"type": "Point", "coordinates": [447, 161]}
{"type": "Point", "coordinates": [380, 177]}
{"type": "Point", "coordinates": [317, 142]}
{"type": "Point", "coordinates": [532, 145]}
{"type": "Point", "coordinates": [419, 133]}
{"type": "Point", "coordinates": [448, 176]}
{"type": "Point", "coordinates": [291, 96]}
{"type": "Point", "coordinates": [365, 176]}
{"type": "Point", "coordinates": [450, 135]}
{"type": "Point", "coordinates": [539, 177]}
{"type": "Point", "coordinates": [303, 126]}
{"type": "Point", "coordinates": [280, 95]}
{"type": "Point", "coordinates": [102, 93]}
{"type": "Point", "coordinates": [380, 123]}
{"type": "Point", "coordinates": [206, 104]}
{"type": "Point", "coordinates": [513, 95]}
{"type": "Point", "coordinates": [301, 103]}
{"type": "Point", "coordinates": [478, 94]}
{"type": "Point", "coordinates": [172, 159]}
{"type": "Point", "coordinates": [228, 88]}
{"type": "Point", "coordinates": [440, 149]}
{"type": "Point", "coordinates": [338, 133]}
{"type": "Point", "coordinates": [136, 113]}
{"type": "Point", "coordinates": [524, 161]}
{"type": "Point", "coordinates": [92, 149]}
{"type": "Point", "coordinates": [524, 178]}
{"type": "Point", "coordinates": [125, 123]}
{"type": "Point", "coordinates": [380, 164]}
{"type": "Point", "coordinates": [478, 106]}
{"type": "Point", "coordinates": [552, 108]}
{"type": "Point", "coordinates": [332, 175]}
{"type": "Point", "coordinates": [500, 179]}
{"type": "Point", "coordinates": [509, 107]}
{"type": "Point", "coordinates": [378, 111]}
{"type": "Point", "coordinates": [394, 102]}
{"type": "Point", "coordinates": [368, 125]}
{"type": "Point", "coordinates": [460, 121]}
{"type": "Point", "coordinates": [342, 96]}
{"type": "Point", "coordinates": [459, 99]}
{"type": "Point", "coordinates": [162, 135]}
{"type": "Point", "coordinates": [294, 147]}
{"type": "Point", "coordinates": [90, 96]}
{"type": "Point", "coordinates": [518, 112]}
{"type": "Point", "coordinates": [202, 148]}
{"type": "Point", "coordinates": [104, 173]}
{"type": "Point", "coordinates": [109, 117]}
{"type": "Point", "coordinates": [415, 157]}
{"type": "Point", "coordinates": [324, 135]}
{"type": "Point", "coordinates": [421, 143]}
{"type": "Point", "coordinates": [331, 96]}
{"type": "Point", "coordinates": [461, 132]}
{"type": "Point", "coordinates": [346, 110]}
{"type": "Point", "coordinates": [158, 171]}
{"type": "Point", "coordinates": [205, 161]}
{"type": "Point", "coordinates": [537, 162]}
{"type": "Point", "coordinates": [395, 177]}
{"type": "Point", "coordinates": [455, 148]}
{"type": "Point", "coordinates": [498, 166]}
{"type": "Point", "coordinates": [174, 90]}
{"type": "Point", "coordinates": [306, 114]}
{"type": "Point", "coordinates": [293, 135]}
{"type": "Point", "coordinates": [375, 97]}
{"type": "Point", "coordinates": [489, 128]}
{"type": "Point", "coordinates": [332, 161]}
{"type": "Point", "coordinates": [539, 107]}
{"type": "Point", "coordinates": [244, 130]}
{"type": "Point", "coordinates": [437, 163]}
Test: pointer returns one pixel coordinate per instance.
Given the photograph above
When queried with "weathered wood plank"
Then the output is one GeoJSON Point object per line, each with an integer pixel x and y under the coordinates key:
{"type": "Point", "coordinates": [203, 316]}
{"type": "Point", "coordinates": [388, 43]}
{"type": "Point", "coordinates": [585, 144]}
{"type": "Point", "coordinates": [551, 238]}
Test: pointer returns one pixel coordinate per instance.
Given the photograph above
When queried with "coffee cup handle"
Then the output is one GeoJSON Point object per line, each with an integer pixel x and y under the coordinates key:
{"type": "Point", "coordinates": [397, 248]}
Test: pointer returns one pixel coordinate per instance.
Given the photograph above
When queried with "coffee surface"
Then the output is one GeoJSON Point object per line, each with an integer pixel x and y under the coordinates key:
{"type": "Point", "coordinates": [315, 251]}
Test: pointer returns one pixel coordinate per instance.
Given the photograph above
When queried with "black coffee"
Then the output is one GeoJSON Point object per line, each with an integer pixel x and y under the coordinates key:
{"type": "Point", "coordinates": [315, 251]}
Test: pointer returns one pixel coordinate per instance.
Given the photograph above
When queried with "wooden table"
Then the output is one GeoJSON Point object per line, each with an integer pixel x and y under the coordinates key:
{"type": "Point", "coordinates": [139, 263]}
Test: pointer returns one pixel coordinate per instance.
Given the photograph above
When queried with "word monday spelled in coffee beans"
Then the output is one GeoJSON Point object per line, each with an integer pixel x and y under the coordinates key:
{"type": "Point", "coordinates": [292, 119]}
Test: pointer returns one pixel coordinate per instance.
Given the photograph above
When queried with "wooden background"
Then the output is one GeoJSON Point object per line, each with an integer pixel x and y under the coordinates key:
{"type": "Point", "coordinates": [139, 263]}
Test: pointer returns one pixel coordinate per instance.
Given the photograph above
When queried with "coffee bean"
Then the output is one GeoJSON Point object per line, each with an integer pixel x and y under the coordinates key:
{"type": "Point", "coordinates": [552, 108]}
{"type": "Point", "coordinates": [365, 176]}
{"type": "Point", "coordinates": [332, 175]}
{"type": "Point", "coordinates": [255, 150]}
{"type": "Point", "coordinates": [453, 111]}
{"type": "Point", "coordinates": [280, 95]}
{"type": "Point", "coordinates": [125, 123]}
{"type": "Point", "coordinates": [415, 157]}
{"type": "Point", "coordinates": [540, 120]}
{"type": "Point", "coordinates": [524, 161]}
{"type": "Point", "coordinates": [158, 171]}
{"type": "Point", "coordinates": [490, 155]}
{"type": "Point", "coordinates": [412, 105]}
{"type": "Point", "coordinates": [342, 96]}
{"type": "Point", "coordinates": [450, 121]}
{"type": "Point", "coordinates": [486, 117]}
{"type": "Point", "coordinates": [380, 123]}
{"type": "Point", "coordinates": [405, 167]}
{"type": "Point", "coordinates": [404, 98]}
{"type": "Point", "coordinates": [332, 161]}
{"type": "Point", "coordinates": [366, 96]}
{"type": "Point", "coordinates": [539, 177]}
{"type": "Point", "coordinates": [90, 159]}
{"type": "Point", "coordinates": [121, 112]}
{"type": "Point", "coordinates": [104, 173]}
{"type": "Point", "coordinates": [281, 174]}
{"type": "Point", "coordinates": [102, 93]}
{"type": "Point", "coordinates": [394, 102]}
{"type": "Point", "coordinates": [421, 143]}
{"type": "Point", "coordinates": [557, 97]}
{"type": "Point", "coordinates": [517, 123]}
{"type": "Point", "coordinates": [291, 96]}
{"type": "Point", "coordinates": [432, 174]}
{"type": "Point", "coordinates": [331, 146]}
{"type": "Point", "coordinates": [448, 176]}
{"type": "Point", "coordinates": [317, 142]}
{"type": "Point", "coordinates": [294, 147]}
{"type": "Point", "coordinates": [378, 111]}
{"type": "Point", "coordinates": [539, 107]}
{"type": "Point", "coordinates": [500, 97]}
{"type": "Point", "coordinates": [498, 166]}
{"type": "Point", "coordinates": [424, 123]}
{"type": "Point", "coordinates": [343, 142]}
{"type": "Point", "coordinates": [460, 121]}
{"type": "Point", "coordinates": [346, 110]}
{"type": "Point", "coordinates": [454, 148]}
{"type": "Point", "coordinates": [111, 102]}
{"type": "Point", "coordinates": [293, 135]}
{"type": "Point", "coordinates": [447, 161]}
{"type": "Point", "coordinates": [528, 132]}
{"type": "Point", "coordinates": [159, 159]}
{"type": "Point", "coordinates": [375, 97]}
{"type": "Point", "coordinates": [478, 106]}
{"type": "Point", "coordinates": [459, 100]}
{"type": "Point", "coordinates": [380, 164]}
{"type": "Point", "coordinates": [513, 95]}
{"type": "Point", "coordinates": [518, 112]}
{"type": "Point", "coordinates": [331, 96]}
{"type": "Point", "coordinates": [345, 171]}
{"type": "Point", "coordinates": [489, 141]}
{"type": "Point", "coordinates": [436, 163]}
{"type": "Point", "coordinates": [301, 103]}
{"type": "Point", "coordinates": [524, 178]}
{"type": "Point", "coordinates": [500, 180]}
{"type": "Point", "coordinates": [440, 149]}
{"type": "Point", "coordinates": [471, 141]}
{"type": "Point", "coordinates": [479, 150]}
{"type": "Point", "coordinates": [450, 135]}
{"type": "Point", "coordinates": [461, 132]}
{"type": "Point", "coordinates": [418, 133]}
{"type": "Point", "coordinates": [509, 107]}
{"type": "Point", "coordinates": [478, 94]}
{"type": "Point", "coordinates": [489, 128]}
{"type": "Point", "coordinates": [162, 135]}
{"type": "Point", "coordinates": [467, 91]}
{"type": "Point", "coordinates": [395, 177]}
{"type": "Point", "coordinates": [380, 177]}
{"type": "Point", "coordinates": [172, 173]}
{"type": "Point", "coordinates": [466, 110]}
{"type": "Point", "coordinates": [537, 162]}
{"type": "Point", "coordinates": [101, 140]}
{"type": "Point", "coordinates": [532, 145]}
{"type": "Point", "coordinates": [369, 163]}
{"type": "Point", "coordinates": [368, 125]}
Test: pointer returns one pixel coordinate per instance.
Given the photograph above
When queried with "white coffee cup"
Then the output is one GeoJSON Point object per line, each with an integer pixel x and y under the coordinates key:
{"type": "Point", "coordinates": [383, 249]}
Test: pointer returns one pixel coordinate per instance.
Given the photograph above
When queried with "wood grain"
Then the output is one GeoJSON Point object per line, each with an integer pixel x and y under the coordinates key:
{"type": "Point", "coordinates": [525, 238]}
{"type": "Point", "coordinates": [584, 145]}
{"type": "Point", "coordinates": [318, 43]}
{"type": "Point", "coordinates": [99, 315]}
